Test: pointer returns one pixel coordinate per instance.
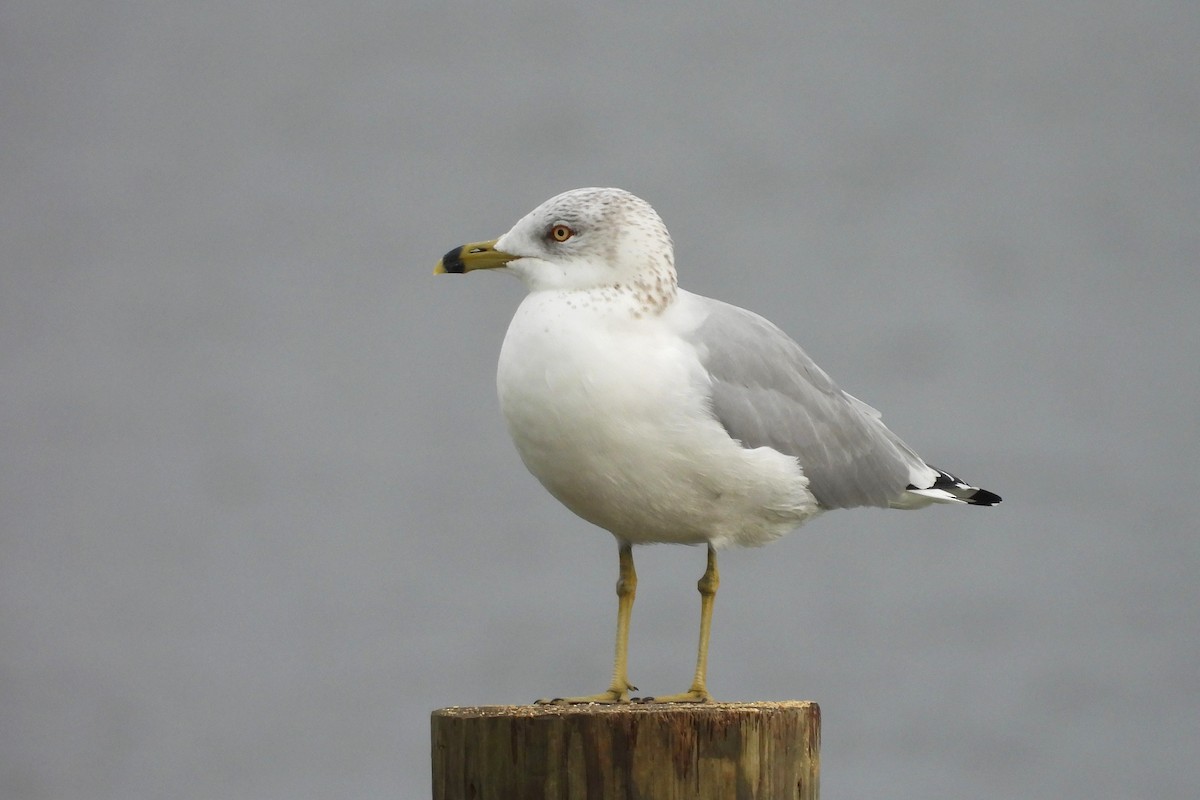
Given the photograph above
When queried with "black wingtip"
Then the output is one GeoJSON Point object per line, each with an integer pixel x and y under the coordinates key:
{"type": "Point", "coordinates": [983, 498]}
{"type": "Point", "coordinates": [959, 488]}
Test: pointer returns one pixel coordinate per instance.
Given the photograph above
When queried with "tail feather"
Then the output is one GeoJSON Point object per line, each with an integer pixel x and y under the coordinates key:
{"type": "Point", "coordinates": [948, 489]}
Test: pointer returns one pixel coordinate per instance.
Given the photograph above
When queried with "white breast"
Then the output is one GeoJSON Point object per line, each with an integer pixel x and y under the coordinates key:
{"type": "Point", "coordinates": [609, 411]}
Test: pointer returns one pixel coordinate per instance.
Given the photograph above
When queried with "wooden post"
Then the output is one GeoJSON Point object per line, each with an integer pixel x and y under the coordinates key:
{"type": "Point", "coordinates": [712, 751]}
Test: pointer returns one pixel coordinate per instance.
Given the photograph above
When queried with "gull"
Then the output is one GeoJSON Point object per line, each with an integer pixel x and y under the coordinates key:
{"type": "Point", "coordinates": [666, 417]}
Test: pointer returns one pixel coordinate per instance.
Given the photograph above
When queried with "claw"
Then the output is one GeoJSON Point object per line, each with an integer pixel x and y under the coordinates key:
{"type": "Point", "coordinates": [611, 697]}
{"type": "Point", "coordinates": [690, 696]}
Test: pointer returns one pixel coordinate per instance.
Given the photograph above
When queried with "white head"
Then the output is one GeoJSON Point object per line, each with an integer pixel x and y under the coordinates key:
{"type": "Point", "coordinates": [581, 239]}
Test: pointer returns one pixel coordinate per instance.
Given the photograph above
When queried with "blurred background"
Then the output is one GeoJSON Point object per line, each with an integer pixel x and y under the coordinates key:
{"type": "Point", "coordinates": [259, 514]}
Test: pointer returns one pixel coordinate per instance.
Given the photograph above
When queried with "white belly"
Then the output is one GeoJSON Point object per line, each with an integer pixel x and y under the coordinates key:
{"type": "Point", "coordinates": [618, 429]}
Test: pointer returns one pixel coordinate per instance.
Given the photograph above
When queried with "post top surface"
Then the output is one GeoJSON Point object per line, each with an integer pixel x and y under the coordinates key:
{"type": "Point", "coordinates": [699, 709]}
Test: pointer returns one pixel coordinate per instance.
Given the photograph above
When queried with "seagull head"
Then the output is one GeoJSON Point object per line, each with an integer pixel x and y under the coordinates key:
{"type": "Point", "coordinates": [581, 239]}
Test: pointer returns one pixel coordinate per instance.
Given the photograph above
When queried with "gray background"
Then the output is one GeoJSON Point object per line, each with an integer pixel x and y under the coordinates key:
{"type": "Point", "coordinates": [259, 511]}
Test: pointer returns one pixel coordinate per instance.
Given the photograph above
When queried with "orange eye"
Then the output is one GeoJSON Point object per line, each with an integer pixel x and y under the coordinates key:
{"type": "Point", "coordinates": [560, 233]}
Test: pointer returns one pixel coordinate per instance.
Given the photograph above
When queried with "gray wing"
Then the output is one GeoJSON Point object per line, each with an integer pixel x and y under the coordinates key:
{"type": "Point", "coordinates": [766, 391]}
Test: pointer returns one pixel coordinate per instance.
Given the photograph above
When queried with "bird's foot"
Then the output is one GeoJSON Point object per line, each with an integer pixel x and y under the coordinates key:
{"type": "Point", "coordinates": [690, 696]}
{"type": "Point", "coordinates": [611, 697]}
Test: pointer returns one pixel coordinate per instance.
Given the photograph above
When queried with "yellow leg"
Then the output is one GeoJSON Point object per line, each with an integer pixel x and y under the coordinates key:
{"type": "Point", "coordinates": [619, 689]}
{"type": "Point", "coordinates": [707, 585]}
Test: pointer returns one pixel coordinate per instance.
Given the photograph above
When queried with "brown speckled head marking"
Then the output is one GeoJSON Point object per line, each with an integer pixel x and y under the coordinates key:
{"type": "Point", "coordinates": [616, 244]}
{"type": "Point", "coordinates": [635, 239]}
